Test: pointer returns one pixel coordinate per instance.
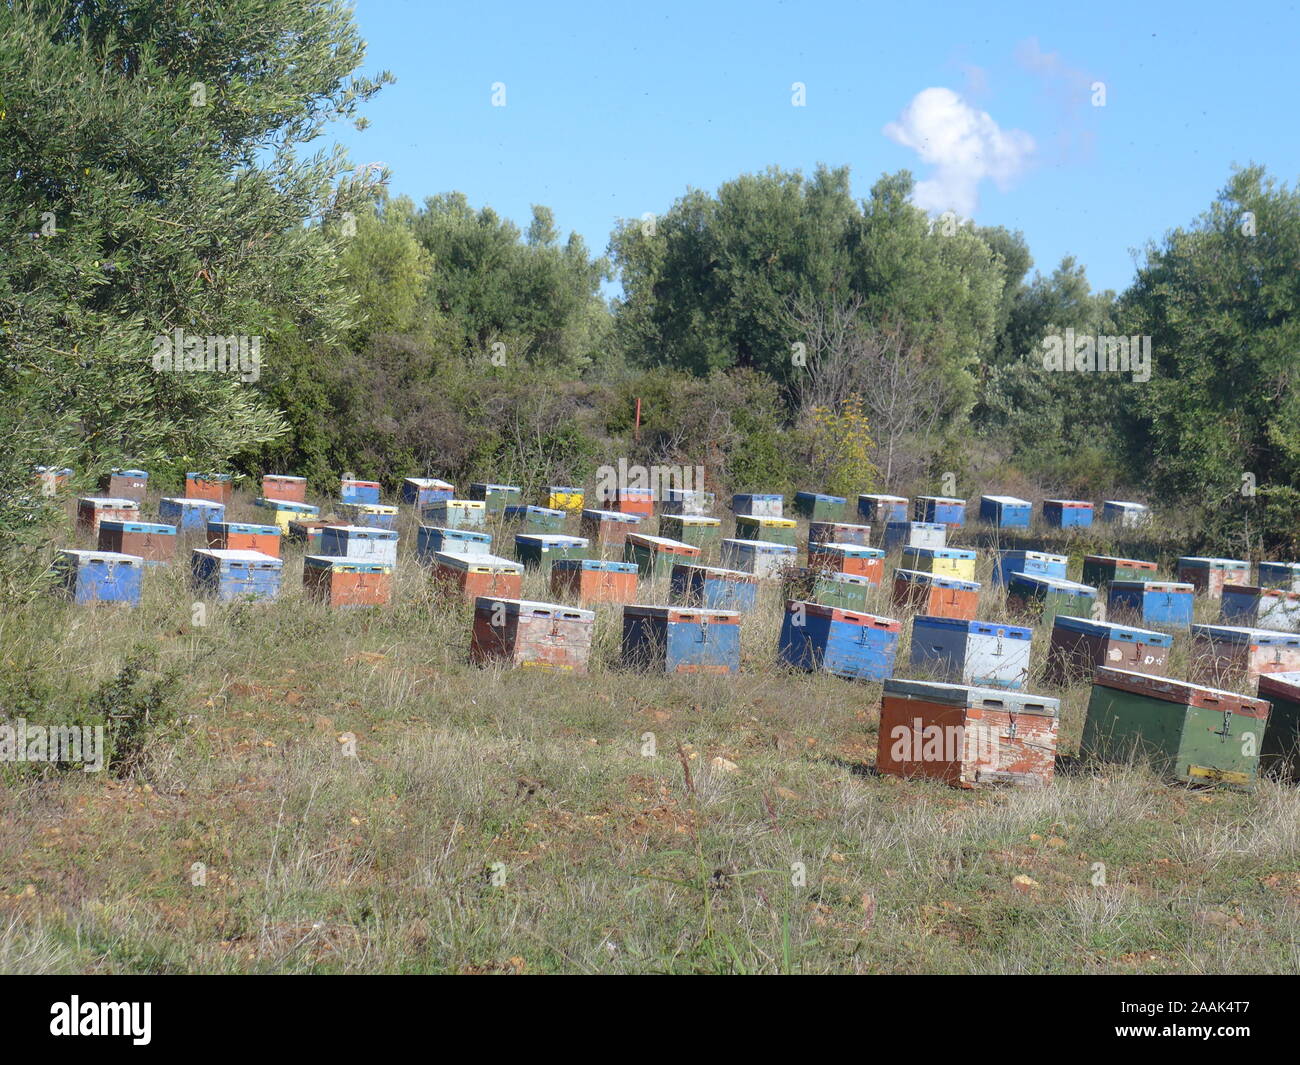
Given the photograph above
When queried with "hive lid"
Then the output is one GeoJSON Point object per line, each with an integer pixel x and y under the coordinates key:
{"type": "Point", "coordinates": [366, 565]}
{"type": "Point", "coordinates": [759, 495]}
{"type": "Point", "coordinates": [237, 554]}
{"type": "Point", "coordinates": [820, 496]}
{"type": "Point", "coordinates": [928, 525]}
{"type": "Point", "coordinates": [286, 504]}
{"type": "Point", "coordinates": [975, 628]}
{"type": "Point", "coordinates": [940, 552]}
{"type": "Point", "coordinates": [1178, 691]}
{"type": "Point", "coordinates": [612, 515]}
{"type": "Point", "coordinates": [1258, 591]}
{"type": "Point", "coordinates": [762, 546]}
{"type": "Point", "coordinates": [430, 482]}
{"type": "Point", "coordinates": [1138, 562]}
{"type": "Point", "coordinates": [1008, 501]}
{"type": "Point", "coordinates": [1060, 584]}
{"type": "Point", "coordinates": [683, 613]}
{"type": "Point", "coordinates": [694, 519]}
{"type": "Point", "coordinates": [853, 550]}
{"type": "Point", "coordinates": [952, 500]}
{"type": "Point", "coordinates": [552, 539]}
{"type": "Point", "coordinates": [1280, 685]}
{"type": "Point", "coordinates": [841, 525]}
{"type": "Point", "coordinates": [492, 486]}
{"type": "Point", "coordinates": [1243, 634]}
{"type": "Point", "coordinates": [1070, 502]}
{"type": "Point", "coordinates": [969, 695]}
{"type": "Point", "coordinates": [457, 534]}
{"type": "Point", "coordinates": [664, 542]}
{"type": "Point", "coordinates": [1035, 556]}
{"type": "Point", "coordinates": [939, 580]}
{"type": "Point", "coordinates": [245, 527]}
{"type": "Point", "coordinates": [601, 564]}
{"type": "Point", "coordinates": [883, 499]}
{"type": "Point", "coordinates": [1113, 630]}
{"type": "Point", "coordinates": [714, 571]}
{"type": "Point", "coordinates": [105, 502]}
{"type": "Point", "coordinates": [459, 560]}
{"type": "Point", "coordinates": [102, 556]}
{"type": "Point", "coordinates": [1125, 506]}
{"type": "Point", "coordinates": [534, 608]}
{"type": "Point", "coordinates": [131, 473]}
{"type": "Point", "coordinates": [839, 613]}
{"type": "Point", "coordinates": [364, 532]}
{"type": "Point", "coordinates": [138, 526]}
{"type": "Point", "coordinates": [1151, 586]}
{"type": "Point", "coordinates": [187, 501]}
{"type": "Point", "coordinates": [1198, 561]}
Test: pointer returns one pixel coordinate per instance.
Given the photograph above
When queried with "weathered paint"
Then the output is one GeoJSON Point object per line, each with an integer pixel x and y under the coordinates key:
{"type": "Point", "coordinates": [495, 497]}
{"type": "Point", "coordinates": [758, 504]}
{"type": "Point", "coordinates": [1221, 653]}
{"type": "Point", "coordinates": [593, 580]}
{"type": "Point", "coordinates": [284, 511]}
{"type": "Point", "coordinates": [1209, 575]}
{"type": "Point", "coordinates": [935, 595]}
{"type": "Point", "coordinates": [943, 561]}
{"type": "Point", "coordinates": [281, 486]}
{"type": "Point", "coordinates": [1284, 575]}
{"type": "Point", "coordinates": [868, 562]}
{"type": "Point", "coordinates": [346, 582]}
{"type": "Point", "coordinates": [608, 528]}
{"type": "Point", "coordinates": [882, 509]}
{"type": "Point", "coordinates": [562, 497]}
{"type": "Point", "coordinates": [1129, 515]}
{"type": "Point", "coordinates": [307, 532]}
{"type": "Point", "coordinates": [127, 484]}
{"type": "Point", "coordinates": [456, 514]}
{"type": "Point", "coordinates": [712, 587]}
{"type": "Point", "coordinates": [359, 542]}
{"type": "Point", "coordinates": [654, 555]}
{"type": "Point", "coordinates": [91, 510]}
{"type": "Point", "coordinates": [769, 529]}
{"type": "Point", "coordinates": [1165, 604]}
{"type": "Point", "coordinates": [762, 558]}
{"type": "Point", "coordinates": [475, 575]}
{"type": "Point", "coordinates": [100, 576]}
{"type": "Point", "coordinates": [915, 534]}
{"type": "Point", "coordinates": [430, 539]}
{"type": "Point", "coordinates": [1279, 757]}
{"type": "Point", "coordinates": [540, 550]}
{"type": "Point", "coordinates": [190, 513]}
{"type": "Point", "coordinates": [847, 643]}
{"type": "Point", "coordinates": [838, 532]}
{"type": "Point", "coordinates": [153, 542]}
{"type": "Point", "coordinates": [845, 590]}
{"type": "Point", "coordinates": [817, 506]}
{"type": "Point", "coordinates": [521, 633]}
{"type": "Point", "coordinates": [1047, 597]}
{"type": "Point", "coordinates": [1264, 608]}
{"type": "Point", "coordinates": [676, 639]}
{"type": "Point", "coordinates": [538, 519]}
{"type": "Point", "coordinates": [697, 529]}
{"type": "Point", "coordinates": [943, 510]}
{"type": "Point", "coordinates": [687, 501]}
{"type": "Point", "coordinates": [421, 491]}
{"type": "Point", "coordinates": [972, 652]}
{"type": "Point", "coordinates": [635, 501]}
{"type": "Point", "coordinates": [1080, 645]}
{"type": "Point", "coordinates": [1102, 569]}
{"type": "Point", "coordinates": [373, 515]}
{"type": "Point", "coordinates": [216, 487]}
{"type": "Point", "coordinates": [354, 491]}
{"type": "Point", "coordinates": [1040, 563]}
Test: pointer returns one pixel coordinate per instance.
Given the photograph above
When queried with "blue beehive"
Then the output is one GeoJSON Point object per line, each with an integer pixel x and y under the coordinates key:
{"type": "Point", "coordinates": [1006, 512]}
{"type": "Point", "coordinates": [1284, 575]}
{"type": "Point", "coordinates": [359, 541]}
{"type": "Point", "coordinates": [190, 513]}
{"type": "Point", "coordinates": [679, 639]}
{"type": "Point", "coordinates": [847, 643]}
{"type": "Point", "coordinates": [1166, 604]}
{"type": "Point", "coordinates": [942, 509]}
{"type": "Point", "coordinates": [353, 491]}
{"type": "Point", "coordinates": [915, 534]}
{"type": "Point", "coordinates": [421, 491]}
{"type": "Point", "coordinates": [881, 510]}
{"type": "Point", "coordinates": [972, 652]}
{"type": "Point", "coordinates": [100, 576]}
{"type": "Point", "coordinates": [713, 587]}
{"type": "Point", "coordinates": [758, 504]}
{"type": "Point", "coordinates": [1067, 513]}
{"type": "Point", "coordinates": [1037, 563]}
{"type": "Point", "coordinates": [234, 574]}
{"type": "Point", "coordinates": [430, 539]}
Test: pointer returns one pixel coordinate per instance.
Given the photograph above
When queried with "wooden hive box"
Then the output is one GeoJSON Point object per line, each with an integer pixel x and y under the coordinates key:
{"type": "Point", "coordinates": [763, 558]}
{"type": "Point", "coordinates": [678, 639]}
{"type": "Point", "coordinates": [943, 510]}
{"type": "Point", "coordinates": [1006, 512]}
{"type": "Point", "coordinates": [1280, 755]}
{"type": "Point", "coordinates": [190, 514]}
{"type": "Point", "coordinates": [153, 542]}
{"type": "Point", "coordinates": [284, 511]}
{"type": "Point", "coordinates": [713, 587]}
{"type": "Point", "coordinates": [307, 532]}
{"type": "Point", "coordinates": [419, 492]}
{"type": "Point", "coordinates": [430, 539]}
{"type": "Point", "coordinates": [768, 529]}
{"type": "Point", "coordinates": [881, 510]}
{"type": "Point", "coordinates": [217, 487]}
{"type": "Point", "coordinates": [1209, 575]}
{"type": "Point", "coordinates": [347, 582]}
{"type": "Point", "coordinates": [537, 519]}
{"type": "Point", "coordinates": [1283, 575]}
{"type": "Point", "coordinates": [127, 484]}
{"type": "Point", "coordinates": [371, 515]}
{"type": "Point", "coordinates": [521, 633]}
{"type": "Point", "coordinates": [282, 486]}
{"type": "Point", "coordinates": [697, 529]}
{"type": "Point", "coordinates": [561, 497]}
{"type": "Point", "coordinates": [1081, 645]}
{"type": "Point", "coordinates": [838, 532]}
{"type": "Point", "coordinates": [237, 534]}
{"type": "Point", "coordinates": [915, 534]}
{"type": "Point", "coordinates": [758, 504]}
{"type": "Point", "coordinates": [1164, 604]}
{"type": "Point", "coordinates": [941, 561]}
{"type": "Point", "coordinates": [594, 580]}
{"type": "Point", "coordinates": [868, 562]}
{"type": "Point", "coordinates": [1224, 653]}
{"type": "Point", "coordinates": [1047, 597]}
{"type": "Point", "coordinates": [456, 514]}
{"type": "Point", "coordinates": [1037, 563]}
{"type": "Point", "coordinates": [359, 542]}
{"type": "Point", "coordinates": [1067, 513]}
{"type": "Point", "coordinates": [608, 528]}
{"type": "Point", "coordinates": [89, 577]}
{"type": "Point", "coordinates": [982, 653]}
{"type": "Point", "coordinates": [635, 501]}
{"type": "Point", "coordinates": [495, 497]}
{"type": "Point", "coordinates": [235, 574]}
{"type": "Point", "coordinates": [1099, 570]}
{"type": "Point", "coordinates": [817, 506]}
{"type": "Point", "coordinates": [352, 490]}
{"type": "Point", "coordinates": [846, 643]}
{"type": "Point", "coordinates": [1260, 607]}
{"type": "Point", "coordinates": [655, 555]}
{"type": "Point", "coordinates": [846, 590]}
{"type": "Point", "coordinates": [1128, 515]}
{"type": "Point", "coordinates": [475, 575]}
{"type": "Point", "coordinates": [935, 595]}
{"type": "Point", "coordinates": [540, 550]}
{"type": "Point", "coordinates": [91, 510]}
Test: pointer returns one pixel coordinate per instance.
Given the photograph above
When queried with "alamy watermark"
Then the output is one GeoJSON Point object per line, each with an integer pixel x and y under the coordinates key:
{"type": "Point", "coordinates": [611, 481]}
{"type": "Point", "coordinates": [1066, 352]}
{"type": "Point", "coordinates": [72, 744]}
{"type": "Point", "coordinates": [919, 742]}
{"type": "Point", "coordinates": [180, 353]}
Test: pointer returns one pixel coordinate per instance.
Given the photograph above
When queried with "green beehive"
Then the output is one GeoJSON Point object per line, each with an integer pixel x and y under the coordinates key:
{"type": "Point", "coordinates": [542, 519]}
{"type": "Point", "coordinates": [496, 497]}
{"type": "Point", "coordinates": [772, 530]}
{"type": "Point", "coordinates": [845, 590]}
{"type": "Point", "coordinates": [1280, 755]}
{"type": "Point", "coordinates": [703, 532]}
{"type": "Point", "coordinates": [1191, 734]}
{"type": "Point", "coordinates": [1048, 597]}
{"type": "Point", "coordinates": [539, 550]}
{"type": "Point", "coordinates": [1105, 569]}
{"type": "Point", "coordinates": [655, 556]}
{"type": "Point", "coordinates": [817, 506]}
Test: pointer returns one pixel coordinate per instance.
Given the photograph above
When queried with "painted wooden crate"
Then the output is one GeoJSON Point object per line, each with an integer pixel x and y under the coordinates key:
{"type": "Point", "coordinates": [687, 501]}
{"type": "Point", "coordinates": [1046, 597]}
{"type": "Point", "coordinates": [282, 486]}
{"type": "Point", "coordinates": [594, 580]}
{"type": "Point", "coordinates": [495, 497]}
{"type": "Point", "coordinates": [944, 510]}
{"type": "Point", "coordinates": [983, 653]}
{"type": "Point", "coordinates": [153, 542]}
{"type": "Point", "coordinates": [475, 575]}
{"type": "Point", "coordinates": [1067, 513]}
{"type": "Point", "coordinates": [1209, 575]}
{"type": "Point", "coordinates": [190, 513]}
{"type": "Point", "coordinates": [698, 529]}
{"type": "Point", "coordinates": [1223, 653]}
{"type": "Point", "coordinates": [935, 595]}
{"type": "Point", "coordinates": [237, 535]}
{"type": "Point", "coordinates": [881, 509]}
{"type": "Point", "coordinates": [1102, 569]}
{"type": "Point", "coordinates": [1188, 733]}
{"type": "Point", "coordinates": [560, 497]}
{"type": "Point", "coordinates": [608, 528]}
{"type": "Point", "coordinates": [284, 511]}
{"type": "Point", "coordinates": [521, 633]}
{"type": "Point", "coordinates": [234, 574]}
{"type": "Point", "coordinates": [217, 487]}
{"type": "Point", "coordinates": [758, 504]}
{"type": "Point", "coordinates": [1264, 608]}
{"type": "Point", "coordinates": [1164, 604]}
{"type": "Point", "coordinates": [1006, 512]}
{"type": "Point", "coordinates": [838, 532]}
{"type": "Point", "coordinates": [915, 534]}
{"type": "Point", "coordinates": [419, 492]}
{"type": "Point", "coordinates": [679, 639]}
{"type": "Point", "coordinates": [100, 576]}
{"type": "Point", "coordinates": [430, 539]}
{"type": "Point", "coordinates": [1128, 515]}
{"type": "Point", "coordinates": [817, 506]}
{"type": "Point", "coordinates": [307, 533]}
{"type": "Point", "coordinates": [1279, 757]}
{"type": "Point", "coordinates": [1284, 575]}
{"type": "Point", "coordinates": [846, 643]}
{"type": "Point", "coordinates": [51, 479]}
{"type": "Point", "coordinates": [456, 514]}
{"type": "Point", "coordinates": [967, 736]}
{"type": "Point", "coordinates": [639, 501]}
{"type": "Point", "coordinates": [868, 562]}
{"type": "Point", "coordinates": [845, 590]}
{"type": "Point", "coordinates": [655, 555]}
{"type": "Point", "coordinates": [943, 561]}
{"type": "Point", "coordinates": [126, 484]}
{"type": "Point", "coordinates": [1080, 645]}
{"type": "Point", "coordinates": [352, 490]}
{"type": "Point", "coordinates": [372, 515]}
{"type": "Point", "coordinates": [539, 519]}
{"type": "Point", "coordinates": [91, 510]}
{"type": "Point", "coordinates": [347, 582]}
{"type": "Point", "coordinates": [770, 529]}
{"type": "Point", "coordinates": [713, 587]}
{"type": "Point", "coordinates": [359, 541]}
{"type": "Point", "coordinates": [1041, 563]}
{"type": "Point", "coordinates": [759, 557]}
{"type": "Point", "coordinates": [540, 550]}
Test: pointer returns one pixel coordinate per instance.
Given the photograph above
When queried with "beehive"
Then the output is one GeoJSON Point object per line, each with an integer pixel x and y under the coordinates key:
{"type": "Point", "coordinates": [347, 582]}
{"type": "Point", "coordinates": [280, 486]}
{"type": "Point", "coordinates": [1279, 756]}
{"type": "Point", "coordinates": [1284, 575]}
{"type": "Point", "coordinates": [915, 534]}
{"type": "Point", "coordinates": [284, 511]}
{"type": "Point", "coordinates": [868, 562]}
{"type": "Point", "coordinates": [655, 555]}
{"type": "Point", "coordinates": [698, 529]}
{"type": "Point", "coordinates": [456, 514]}
{"type": "Point", "coordinates": [941, 561]}
{"type": "Point", "coordinates": [495, 497]}
{"type": "Point", "coordinates": [354, 491]}
{"type": "Point", "coordinates": [190, 513]}
{"type": "Point", "coordinates": [153, 542]}
{"type": "Point", "coordinates": [307, 533]}
{"type": "Point", "coordinates": [713, 588]}
{"type": "Point", "coordinates": [475, 575]}
{"type": "Point", "coordinates": [540, 550]}
{"type": "Point", "coordinates": [846, 643]}
{"type": "Point", "coordinates": [234, 574]}
{"type": "Point", "coordinates": [687, 501]}
{"type": "Point", "coordinates": [881, 510]}
{"type": "Point", "coordinates": [639, 501]}
{"type": "Point", "coordinates": [238, 535]}
{"type": "Point", "coordinates": [127, 484]}
{"type": "Point", "coordinates": [943, 510]}
{"type": "Point", "coordinates": [91, 510]}
{"type": "Point", "coordinates": [1264, 608]}
{"type": "Point", "coordinates": [559, 497]}
{"type": "Point", "coordinates": [1188, 733]}
{"type": "Point", "coordinates": [1223, 653]}
{"type": "Point", "coordinates": [371, 515]}
{"type": "Point", "coordinates": [982, 653]}
{"type": "Point", "coordinates": [678, 639]}
{"type": "Point", "coordinates": [50, 479]}
{"type": "Point", "coordinates": [1164, 604]}
{"type": "Point", "coordinates": [359, 542]}
{"type": "Point", "coordinates": [1006, 512]}
{"type": "Point", "coordinates": [967, 736]}
{"type": "Point", "coordinates": [845, 590]}
{"type": "Point", "coordinates": [759, 557]}
{"type": "Point", "coordinates": [838, 532]}
{"type": "Point", "coordinates": [770, 530]}
{"type": "Point", "coordinates": [100, 576]}
{"type": "Point", "coordinates": [521, 633]}
{"type": "Point", "coordinates": [594, 580]}
{"type": "Point", "coordinates": [540, 519]}
{"type": "Point", "coordinates": [216, 487]}
{"type": "Point", "coordinates": [419, 492]}
{"type": "Point", "coordinates": [1047, 597]}
{"type": "Point", "coordinates": [758, 504]}
{"type": "Point", "coordinates": [1102, 569]}
{"type": "Point", "coordinates": [817, 506]}
{"type": "Point", "coordinates": [936, 596]}
{"type": "Point", "coordinates": [1080, 645]}
{"type": "Point", "coordinates": [1040, 563]}
{"type": "Point", "coordinates": [1209, 575]}
{"type": "Point", "coordinates": [608, 528]}
{"type": "Point", "coordinates": [430, 539]}
{"type": "Point", "coordinates": [1128, 515]}
{"type": "Point", "coordinates": [1067, 513]}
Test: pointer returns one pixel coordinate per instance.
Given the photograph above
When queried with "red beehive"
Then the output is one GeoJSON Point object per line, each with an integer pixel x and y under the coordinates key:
{"type": "Point", "coordinates": [238, 535]}
{"type": "Point", "coordinates": [592, 580]}
{"type": "Point", "coordinates": [476, 575]}
{"type": "Point", "coordinates": [279, 486]}
{"type": "Point", "coordinates": [935, 595]}
{"type": "Point", "coordinates": [344, 582]}
{"type": "Point", "coordinates": [91, 510]}
{"type": "Point", "coordinates": [861, 561]}
{"type": "Point", "coordinates": [519, 632]}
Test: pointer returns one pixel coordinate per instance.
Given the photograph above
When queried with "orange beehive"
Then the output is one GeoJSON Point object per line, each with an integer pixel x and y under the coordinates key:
{"type": "Point", "coordinates": [238, 535]}
{"type": "Point", "coordinates": [592, 580]}
{"type": "Point", "coordinates": [476, 575]}
{"type": "Point", "coordinates": [935, 595]}
{"type": "Point", "coordinates": [861, 561]}
{"type": "Point", "coordinates": [279, 486]}
{"type": "Point", "coordinates": [213, 486]}
{"type": "Point", "coordinates": [640, 501]}
{"type": "Point", "coordinates": [344, 582]}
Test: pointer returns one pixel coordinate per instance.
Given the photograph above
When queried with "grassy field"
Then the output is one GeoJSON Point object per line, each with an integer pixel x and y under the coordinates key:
{"type": "Point", "coordinates": [323, 791]}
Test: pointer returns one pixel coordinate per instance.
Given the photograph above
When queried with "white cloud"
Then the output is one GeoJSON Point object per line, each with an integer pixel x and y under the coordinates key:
{"type": "Point", "coordinates": [963, 144]}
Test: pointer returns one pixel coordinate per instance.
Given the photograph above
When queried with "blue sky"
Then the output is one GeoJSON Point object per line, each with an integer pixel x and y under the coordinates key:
{"type": "Point", "coordinates": [613, 110]}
